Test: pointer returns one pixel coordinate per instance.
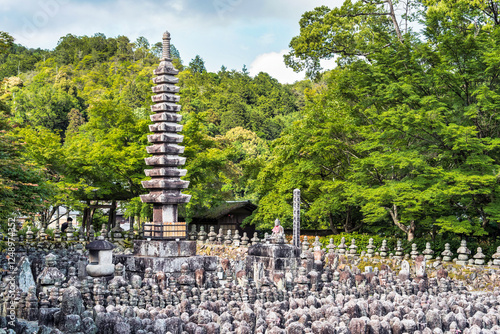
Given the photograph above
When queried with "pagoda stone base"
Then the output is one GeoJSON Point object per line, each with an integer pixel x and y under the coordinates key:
{"type": "Point", "coordinates": [273, 259]}
{"type": "Point", "coordinates": [167, 256]}
{"type": "Point", "coordinates": [164, 248]}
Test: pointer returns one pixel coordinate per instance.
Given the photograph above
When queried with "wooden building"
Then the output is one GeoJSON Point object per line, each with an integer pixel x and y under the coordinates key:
{"type": "Point", "coordinates": [227, 216]}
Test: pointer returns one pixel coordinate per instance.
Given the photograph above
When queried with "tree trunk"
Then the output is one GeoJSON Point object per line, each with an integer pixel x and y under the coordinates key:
{"type": "Point", "coordinates": [347, 223]}
{"type": "Point", "coordinates": [112, 216]}
{"type": "Point", "coordinates": [84, 219]}
{"type": "Point", "coordinates": [91, 215]}
{"type": "Point", "coordinates": [354, 228]}
{"type": "Point", "coordinates": [332, 225]}
{"type": "Point", "coordinates": [88, 217]}
{"type": "Point", "coordinates": [394, 20]}
{"type": "Point", "coordinates": [409, 230]}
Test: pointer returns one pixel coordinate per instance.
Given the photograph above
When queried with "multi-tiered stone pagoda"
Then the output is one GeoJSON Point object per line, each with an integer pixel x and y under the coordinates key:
{"type": "Point", "coordinates": [165, 185]}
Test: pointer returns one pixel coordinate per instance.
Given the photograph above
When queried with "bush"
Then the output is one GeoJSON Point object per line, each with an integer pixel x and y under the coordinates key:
{"type": "Point", "coordinates": [50, 232]}
{"type": "Point", "coordinates": [24, 229]}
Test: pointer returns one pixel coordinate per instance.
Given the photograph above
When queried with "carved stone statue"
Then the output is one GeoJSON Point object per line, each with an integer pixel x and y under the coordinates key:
{"type": "Point", "coordinates": [278, 229]}
{"type": "Point", "coordinates": [278, 236]}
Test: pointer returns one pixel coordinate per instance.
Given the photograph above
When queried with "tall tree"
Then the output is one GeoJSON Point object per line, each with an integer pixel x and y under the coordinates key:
{"type": "Point", "coordinates": [314, 155]}
{"type": "Point", "coordinates": [23, 186]}
{"type": "Point", "coordinates": [422, 101]}
{"type": "Point", "coordinates": [6, 41]}
{"type": "Point", "coordinates": [108, 151]}
{"type": "Point", "coordinates": [197, 65]}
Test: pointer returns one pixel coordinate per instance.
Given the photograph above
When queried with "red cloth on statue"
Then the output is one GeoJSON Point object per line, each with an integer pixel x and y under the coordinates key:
{"type": "Point", "coordinates": [276, 229]}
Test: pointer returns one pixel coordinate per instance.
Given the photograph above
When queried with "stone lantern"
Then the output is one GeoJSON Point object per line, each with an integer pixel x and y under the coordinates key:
{"type": "Point", "coordinates": [100, 258]}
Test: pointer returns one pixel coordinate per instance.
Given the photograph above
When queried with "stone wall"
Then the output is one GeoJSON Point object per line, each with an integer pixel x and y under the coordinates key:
{"type": "Point", "coordinates": [330, 290]}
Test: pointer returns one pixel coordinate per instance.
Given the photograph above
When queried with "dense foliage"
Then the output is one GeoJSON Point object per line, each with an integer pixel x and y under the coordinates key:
{"type": "Point", "coordinates": [424, 152]}
{"type": "Point", "coordinates": [401, 139]}
{"type": "Point", "coordinates": [82, 111]}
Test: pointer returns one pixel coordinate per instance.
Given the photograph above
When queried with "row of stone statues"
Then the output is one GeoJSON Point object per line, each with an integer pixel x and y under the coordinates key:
{"type": "Point", "coordinates": [235, 239]}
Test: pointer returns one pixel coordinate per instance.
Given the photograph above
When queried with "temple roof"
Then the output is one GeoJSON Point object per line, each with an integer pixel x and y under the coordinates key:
{"type": "Point", "coordinates": [226, 208]}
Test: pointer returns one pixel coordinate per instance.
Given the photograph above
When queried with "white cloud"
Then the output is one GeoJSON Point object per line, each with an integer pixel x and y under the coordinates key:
{"type": "Point", "coordinates": [267, 39]}
{"type": "Point", "coordinates": [177, 5]}
{"type": "Point", "coordinates": [328, 64]}
{"type": "Point", "coordinates": [273, 64]}
{"type": "Point", "coordinates": [223, 32]}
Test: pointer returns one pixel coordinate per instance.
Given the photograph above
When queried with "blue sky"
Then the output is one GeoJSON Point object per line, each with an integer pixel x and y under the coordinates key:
{"type": "Point", "coordinates": [255, 33]}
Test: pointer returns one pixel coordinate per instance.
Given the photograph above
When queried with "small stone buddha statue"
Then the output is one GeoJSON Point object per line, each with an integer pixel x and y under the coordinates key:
{"type": "Point", "coordinates": [278, 232]}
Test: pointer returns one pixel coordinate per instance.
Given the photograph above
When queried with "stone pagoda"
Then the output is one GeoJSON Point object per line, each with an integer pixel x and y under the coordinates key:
{"type": "Point", "coordinates": [165, 246]}
{"type": "Point", "coordinates": [165, 185]}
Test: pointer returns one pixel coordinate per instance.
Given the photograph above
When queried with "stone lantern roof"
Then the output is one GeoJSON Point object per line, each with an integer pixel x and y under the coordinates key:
{"type": "Point", "coordinates": [100, 244]}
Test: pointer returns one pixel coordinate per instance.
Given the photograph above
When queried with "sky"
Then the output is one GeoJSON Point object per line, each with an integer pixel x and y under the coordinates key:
{"type": "Point", "coordinates": [233, 33]}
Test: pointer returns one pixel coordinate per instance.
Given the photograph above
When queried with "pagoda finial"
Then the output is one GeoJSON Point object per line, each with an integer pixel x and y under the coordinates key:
{"type": "Point", "coordinates": [166, 45]}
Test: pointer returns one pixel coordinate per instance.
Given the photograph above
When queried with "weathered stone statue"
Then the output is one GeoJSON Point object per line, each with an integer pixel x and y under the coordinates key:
{"type": "Point", "coordinates": [278, 229]}
{"type": "Point", "coordinates": [278, 235]}
{"type": "Point", "coordinates": [49, 275]}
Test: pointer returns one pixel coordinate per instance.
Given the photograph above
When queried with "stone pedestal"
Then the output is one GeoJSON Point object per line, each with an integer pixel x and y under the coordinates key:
{"type": "Point", "coordinates": [167, 256]}
{"type": "Point", "coordinates": [162, 248]}
{"type": "Point", "coordinates": [273, 258]}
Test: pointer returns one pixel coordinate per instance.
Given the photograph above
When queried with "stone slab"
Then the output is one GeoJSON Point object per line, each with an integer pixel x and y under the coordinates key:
{"type": "Point", "coordinates": [274, 250]}
{"type": "Point", "coordinates": [271, 265]}
{"type": "Point", "coordinates": [172, 265]}
{"type": "Point", "coordinates": [25, 277]}
{"type": "Point", "coordinates": [164, 248]}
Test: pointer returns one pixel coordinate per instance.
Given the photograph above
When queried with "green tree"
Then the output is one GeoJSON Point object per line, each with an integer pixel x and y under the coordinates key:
{"type": "Point", "coordinates": [244, 70]}
{"type": "Point", "coordinates": [421, 100]}
{"type": "Point", "coordinates": [43, 148]}
{"type": "Point", "coordinates": [356, 29]}
{"type": "Point", "coordinates": [141, 48]}
{"type": "Point", "coordinates": [23, 186]}
{"type": "Point", "coordinates": [314, 155]}
{"type": "Point", "coordinates": [6, 41]}
{"type": "Point", "coordinates": [174, 53]}
{"type": "Point", "coordinates": [197, 65]}
{"type": "Point", "coordinates": [208, 164]}
{"type": "Point", "coordinates": [108, 151]}
{"type": "Point", "coordinates": [124, 48]}
{"type": "Point", "coordinates": [45, 106]}
{"type": "Point", "coordinates": [76, 119]}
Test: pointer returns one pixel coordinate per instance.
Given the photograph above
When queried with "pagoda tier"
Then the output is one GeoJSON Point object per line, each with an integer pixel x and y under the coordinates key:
{"type": "Point", "coordinates": [165, 148]}
{"type": "Point", "coordinates": [166, 117]}
{"type": "Point", "coordinates": [165, 185]}
{"type": "Point", "coordinates": [165, 161]}
{"type": "Point", "coordinates": [165, 126]}
{"type": "Point", "coordinates": [165, 137]}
